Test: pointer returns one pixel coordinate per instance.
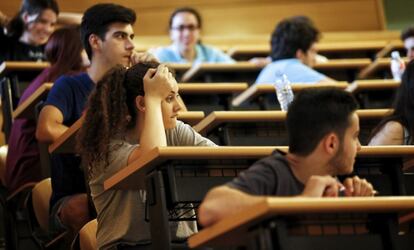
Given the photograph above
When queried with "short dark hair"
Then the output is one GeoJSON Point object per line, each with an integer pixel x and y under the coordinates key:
{"type": "Point", "coordinates": [407, 33]}
{"type": "Point", "coordinates": [16, 26]}
{"type": "Point", "coordinates": [99, 17]}
{"type": "Point", "coordinates": [292, 34]}
{"type": "Point", "coordinates": [188, 10]}
{"type": "Point", "coordinates": [316, 112]}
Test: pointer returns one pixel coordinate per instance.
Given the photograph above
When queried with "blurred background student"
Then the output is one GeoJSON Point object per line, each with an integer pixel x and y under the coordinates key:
{"type": "Point", "coordinates": [185, 31]}
{"type": "Point", "coordinates": [66, 55]}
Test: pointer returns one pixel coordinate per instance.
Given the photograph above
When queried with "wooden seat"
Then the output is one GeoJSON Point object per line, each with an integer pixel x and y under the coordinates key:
{"type": "Point", "coordinates": [87, 236]}
{"type": "Point", "coordinates": [38, 210]}
{"type": "Point", "coordinates": [41, 194]}
{"type": "Point", "coordinates": [3, 155]}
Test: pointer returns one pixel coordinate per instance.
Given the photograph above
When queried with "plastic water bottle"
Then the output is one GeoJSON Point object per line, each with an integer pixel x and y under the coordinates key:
{"type": "Point", "coordinates": [397, 65]}
{"type": "Point", "coordinates": [284, 91]}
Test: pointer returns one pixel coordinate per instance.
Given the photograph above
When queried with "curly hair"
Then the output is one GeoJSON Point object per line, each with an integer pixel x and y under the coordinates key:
{"type": "Point", "coordinates": [110, 112]}
{"type": "Point", "coordinates": [292, 34]}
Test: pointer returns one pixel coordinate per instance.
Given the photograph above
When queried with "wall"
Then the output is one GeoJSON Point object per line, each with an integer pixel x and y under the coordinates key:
{"type": "Point", "coordinates": [399, 13]}
{"type": "Point", "coordinates": [236, 17]}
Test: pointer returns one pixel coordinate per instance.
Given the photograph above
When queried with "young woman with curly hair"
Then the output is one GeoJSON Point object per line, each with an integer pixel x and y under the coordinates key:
{"type": "Point", "coordinates": [130, 112]}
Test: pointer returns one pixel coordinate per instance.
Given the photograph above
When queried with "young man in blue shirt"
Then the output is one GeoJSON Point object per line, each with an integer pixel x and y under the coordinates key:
{"type": "Point", "coordinates": [293, 53]}
{"type": "Point", "coordinates": [107, 33]}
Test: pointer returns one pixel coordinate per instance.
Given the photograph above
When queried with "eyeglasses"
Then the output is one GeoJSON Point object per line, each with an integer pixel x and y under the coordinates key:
{"type": "Point", "coordinates": [181, 28]}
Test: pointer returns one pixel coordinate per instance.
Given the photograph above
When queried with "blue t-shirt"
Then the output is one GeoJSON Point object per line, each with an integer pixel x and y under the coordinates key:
{"type": "Point", "coordinates": [203, 54]}
{"type": "Point", "coordinates": [69, 94]}
{"type": "Point", "coordinates": [293, 68]}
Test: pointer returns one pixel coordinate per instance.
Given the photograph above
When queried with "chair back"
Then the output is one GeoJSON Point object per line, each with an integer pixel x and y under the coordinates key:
{"type": "Point", "coordinates": [87, 236]}
{"type": "Point", "coordinates": [41, 194]}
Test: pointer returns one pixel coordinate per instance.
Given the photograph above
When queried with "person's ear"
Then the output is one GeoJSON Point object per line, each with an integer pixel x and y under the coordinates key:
{"type": "Point", "coordinates": [331, 143]}
{"type": "Point", "coordinates": [300, 54]}
{"type": "Point", "coordinates": [95, 41]}
{"type": "Point", "coordinates": [140, 103]}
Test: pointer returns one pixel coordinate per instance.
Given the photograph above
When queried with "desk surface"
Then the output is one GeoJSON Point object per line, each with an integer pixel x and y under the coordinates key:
{"type": "Point", "coordinates": [356, 63]}
{"type": "Point", "coordinates": [12, 66]}
{"type": "Point", "coordinates": [379, 63]}
{"type": "Point", "coordinates": [211, 88]}
{"type": "Point", "coordinates": [66, 142]}
{"type": "Point", "coordinates": [259, 89]}
{"type": "Point", "coordinates": [360, 85]}
{"type": "Point", "coordinates": [234, 229]}
{"type": "Point", "coordinates": [134, 173]}
{"type": "Point", "coordinates": [203, 68]}
{"type": "Point", "coordinates": [216, 118]}
{"type": "Point", "coordinates": [26, 108]}
{"type": "Point", "coordinates": [320, 47]}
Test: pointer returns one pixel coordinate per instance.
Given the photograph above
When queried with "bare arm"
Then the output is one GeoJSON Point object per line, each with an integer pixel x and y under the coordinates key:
{"type": "Point", "coordinates": [157, 86]}
{"type": "Point", "coordinates": [223, 201]}
{"type": "Point", "coordinates": [390, 134]}
{"type": "Point", "coordinates": [50, 125]}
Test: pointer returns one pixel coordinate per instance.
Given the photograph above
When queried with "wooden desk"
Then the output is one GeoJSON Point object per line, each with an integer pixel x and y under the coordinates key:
{"type": "Point", "coordinates": [179, 69]}
{"type": "Point", "coordinates": [258, 92]}
{"type": "Point", "coordinates": [234, 230]}
{"type": "Point", "coordinates": [66, 142]}
{"type": "Point", "coordinates": [208, 69]}
{"type": "Point", "coordinates": [183, 175]}
{"type": "Point", "coordinates": [208, 97]}
{"type": "Point", "coordinates": [13, 77]}
{"type": "Point", "coordinates": [266, 128]}
{"type": "Point", "coordinates": [259, 89]}
{"type": "Point", "coordinates": [128, 176]}
{"type": "Point", "coordinates": [357, 63]}
{"type": "Point", "coordinates": [336, 49]}
{"type": "Point", "coordinates": [8, 67]}
{"type": "Point", "coordinates": [378, 65]}
{"type": "Point", "coordinates": [26, 108]}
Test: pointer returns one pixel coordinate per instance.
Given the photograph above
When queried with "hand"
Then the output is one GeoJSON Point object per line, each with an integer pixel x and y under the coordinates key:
{"type": "Point", "coordinates": [142, 58]}
{"type": "Point", "coordinates": [356, 186]}
{"type": "Point", "coordinates": [321, 186]}
{"type": "Point", "coordinates": [158, 82]}
{"type": "Point", "coordinates": [260, 61]}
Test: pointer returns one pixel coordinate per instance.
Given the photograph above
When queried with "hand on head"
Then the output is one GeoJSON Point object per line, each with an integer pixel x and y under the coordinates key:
{"type": "Point", "coordinates": [158, 82]}
{"type": "Point", "coordinates": [142, 58]}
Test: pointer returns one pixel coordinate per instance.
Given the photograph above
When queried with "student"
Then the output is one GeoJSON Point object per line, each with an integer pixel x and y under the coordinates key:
{"type": "Point", "coordinates": [28, 31]}
{"type": "Point", "coordinates": [106, 33]}
{"type": "Point", "coordinates": [317, 154]}
{"type": "Point", "coordinates": [397, 128]}
{"type": "Point", "coordinates": [293, 52]}
{"type": "Point", "coordinates": [64, 51]}
{"type": "Point", "coordinates": [131, 112]}
{"type": "Point", "coordinates": [185, 27]}
{"type": "Point", "coordinates": [407, 36]}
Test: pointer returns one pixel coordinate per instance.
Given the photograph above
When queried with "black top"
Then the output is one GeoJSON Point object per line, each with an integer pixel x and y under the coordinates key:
{"type": "Point", "coordinates": [11, 49]}
{"type": "Point", "coordinates": [269, 176]}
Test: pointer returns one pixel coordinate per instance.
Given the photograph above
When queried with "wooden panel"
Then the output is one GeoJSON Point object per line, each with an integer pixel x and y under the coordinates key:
{"type": "Point", "coordinates": [237, 17]}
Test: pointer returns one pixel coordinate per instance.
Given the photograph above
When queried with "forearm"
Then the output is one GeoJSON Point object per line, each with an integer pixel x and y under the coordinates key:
{"type": "Point", "coordinates": [223, 201]}
{"type": "Point", "coordinates": [153, 132]}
